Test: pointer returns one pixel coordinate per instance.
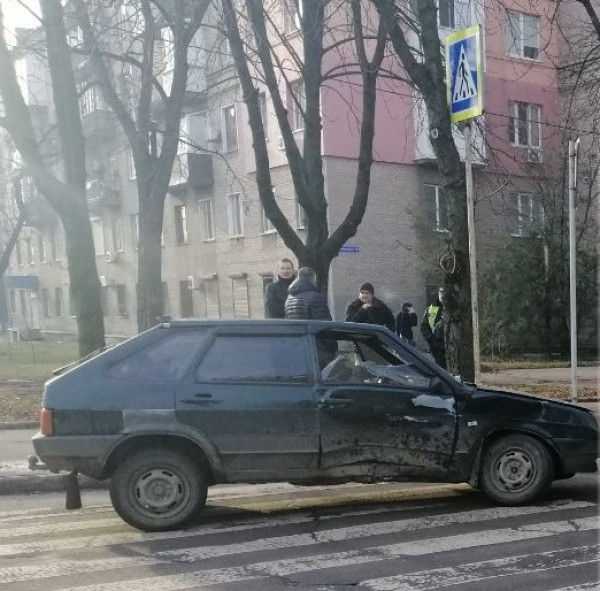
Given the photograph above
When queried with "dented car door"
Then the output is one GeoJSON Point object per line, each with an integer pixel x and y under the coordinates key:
{"type": "Point", "coordinates": [382, 413]}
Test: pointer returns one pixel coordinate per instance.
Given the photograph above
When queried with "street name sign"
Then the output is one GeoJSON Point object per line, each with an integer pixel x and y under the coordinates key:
{"type": "Point", "coordinates": [464, 73]}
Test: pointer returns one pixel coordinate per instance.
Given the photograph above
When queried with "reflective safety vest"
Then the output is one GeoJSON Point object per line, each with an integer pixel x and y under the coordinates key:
{"type": "Point", "coordinates": [432, 313]}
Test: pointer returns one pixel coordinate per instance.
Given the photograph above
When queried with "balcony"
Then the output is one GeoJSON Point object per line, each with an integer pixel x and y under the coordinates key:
{"type": "Point", "coordinates": [104, 191]}
{"type": "Point", "coordinates": [98, 123]}
{"type": "Point", "coordinates": [191, 170]}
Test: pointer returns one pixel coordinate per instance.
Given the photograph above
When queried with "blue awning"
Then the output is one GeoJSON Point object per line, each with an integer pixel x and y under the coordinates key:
{"type": "Point", "coordinates": [30, 282]}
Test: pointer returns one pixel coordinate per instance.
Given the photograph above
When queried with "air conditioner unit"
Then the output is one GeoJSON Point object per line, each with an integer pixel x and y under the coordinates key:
{"type": "Point", "coordinates": [280, 143]}
{"type": "Point", "coordinates": [533, 155]}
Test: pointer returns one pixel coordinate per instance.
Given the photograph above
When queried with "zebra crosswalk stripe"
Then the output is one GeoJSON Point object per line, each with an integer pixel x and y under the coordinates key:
{"type": "Point", "coordinates": [305, 564]}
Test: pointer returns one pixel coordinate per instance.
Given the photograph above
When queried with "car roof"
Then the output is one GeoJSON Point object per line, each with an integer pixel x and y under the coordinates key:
{"type": "Point", "coordinates": [313, 325]}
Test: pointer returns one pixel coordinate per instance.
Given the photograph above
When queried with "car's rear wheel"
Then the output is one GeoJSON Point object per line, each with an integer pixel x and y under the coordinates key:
{"type": "Point", "coordinates": [158, 490]}
{"type": "Point", "coordinates": [515, 470]}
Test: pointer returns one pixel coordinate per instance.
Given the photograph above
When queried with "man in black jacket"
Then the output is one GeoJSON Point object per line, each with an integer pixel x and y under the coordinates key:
{"type": "Point", "coordinates": [277, 292]}
{"type": "Point", "coordinates": [305, 301]}
{"type": "Point", "coordinates": [368, 309]}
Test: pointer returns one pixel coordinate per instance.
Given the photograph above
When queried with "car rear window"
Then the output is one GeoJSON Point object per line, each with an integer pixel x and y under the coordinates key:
{"type": "Point", "coordinates": [165, 361]}
{"type": "Point", "coordinates": [255, 359]}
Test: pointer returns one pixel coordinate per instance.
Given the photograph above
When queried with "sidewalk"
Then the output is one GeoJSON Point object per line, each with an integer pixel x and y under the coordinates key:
{"type": "Point", "coordinates": [16, 446]}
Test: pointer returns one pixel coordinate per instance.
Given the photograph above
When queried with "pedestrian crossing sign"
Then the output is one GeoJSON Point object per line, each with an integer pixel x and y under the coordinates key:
{"type": "Point", "coordinates": [464, 74]}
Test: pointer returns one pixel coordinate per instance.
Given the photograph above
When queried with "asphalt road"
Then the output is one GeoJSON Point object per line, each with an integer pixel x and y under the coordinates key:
{"type": "Point", "coordinates": [460, 541]}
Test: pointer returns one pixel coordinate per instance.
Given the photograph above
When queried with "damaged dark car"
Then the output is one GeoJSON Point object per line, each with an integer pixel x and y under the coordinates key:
{"type": "Point", "coordinates": [192, 403]}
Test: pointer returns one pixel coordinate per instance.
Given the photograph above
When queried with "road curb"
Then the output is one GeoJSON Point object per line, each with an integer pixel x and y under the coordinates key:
{"type": "Point", "coordinates": [19, 425]}
{"type": "Point", "coordinates": [36, 483]}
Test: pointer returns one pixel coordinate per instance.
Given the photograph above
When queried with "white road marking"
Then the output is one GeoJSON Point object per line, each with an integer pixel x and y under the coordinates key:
{"type": "Point", "coordinates": [112, 539]}
{"type": "Point", "coordinates": [286, 567]}
{"type": "Point", "coordinates": [488, 569]}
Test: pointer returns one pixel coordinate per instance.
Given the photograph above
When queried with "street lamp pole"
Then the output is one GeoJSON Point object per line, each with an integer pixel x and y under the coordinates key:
{"type": "Point", "coordinates": [573, 153]}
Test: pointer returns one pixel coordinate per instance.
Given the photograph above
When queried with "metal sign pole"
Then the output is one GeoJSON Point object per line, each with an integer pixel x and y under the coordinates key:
{"type": "Point", "coordinates": [472, 252]}
{"type": "Point", "coordinates": [464, 79]}
{"type": "Point", "coordinates": [573, 150]}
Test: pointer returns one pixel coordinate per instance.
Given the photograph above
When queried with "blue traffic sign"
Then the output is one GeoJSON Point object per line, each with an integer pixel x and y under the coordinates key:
{"type": "Point", "coordinates": [464, 73]}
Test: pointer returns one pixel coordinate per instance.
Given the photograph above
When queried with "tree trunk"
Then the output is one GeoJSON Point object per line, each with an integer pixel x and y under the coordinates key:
{"type": "Point", "coordinates": [149, 288]}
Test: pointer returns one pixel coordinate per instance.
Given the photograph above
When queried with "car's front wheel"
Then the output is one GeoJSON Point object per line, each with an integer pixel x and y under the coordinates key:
{"type": "Point", "coordinates": [158, 490]}
{"type": "Point", "coordinates": [515, 470]}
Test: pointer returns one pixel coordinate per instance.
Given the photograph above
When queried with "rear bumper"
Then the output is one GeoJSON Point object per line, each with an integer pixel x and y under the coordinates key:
{"type": "Point", "coordinates": [87, 454]}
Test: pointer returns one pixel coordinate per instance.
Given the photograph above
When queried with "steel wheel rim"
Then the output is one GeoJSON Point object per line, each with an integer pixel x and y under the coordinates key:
{"type": "Point", "coordinates": [160, 492]}
{"type": "Point", "coordinates": [514, 470]}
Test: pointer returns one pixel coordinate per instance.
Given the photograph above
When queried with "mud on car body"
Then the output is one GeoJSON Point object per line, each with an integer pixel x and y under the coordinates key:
{"type": "Point", "coordinates": [191, 403]}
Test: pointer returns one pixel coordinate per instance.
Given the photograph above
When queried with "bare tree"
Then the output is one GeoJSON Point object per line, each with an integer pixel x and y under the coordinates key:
{"type": "Point", "coordinates": [153, 144]}
{"type": "Point", "coordinates": [425, 67]}
{"type": "Point", "coordinates": [68, 197]}
{"type": "Point", "coordinates": [260, 48]}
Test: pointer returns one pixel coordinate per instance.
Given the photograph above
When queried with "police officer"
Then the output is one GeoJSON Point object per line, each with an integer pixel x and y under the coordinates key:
{"type": "Point", "coordinates": [432, 328]}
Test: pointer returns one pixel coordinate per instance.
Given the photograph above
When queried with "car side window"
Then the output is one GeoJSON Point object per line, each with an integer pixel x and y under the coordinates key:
{"type": "Point", "coordinates": [255, 359]}
{"type": "Point", "coordinates": [367, 361]}
{"type": "Point", "coordinates": [164, 361]}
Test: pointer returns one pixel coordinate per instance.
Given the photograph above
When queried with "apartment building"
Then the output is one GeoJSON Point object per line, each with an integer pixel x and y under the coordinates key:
{"type": "Point", "coordinates": [220, 249]}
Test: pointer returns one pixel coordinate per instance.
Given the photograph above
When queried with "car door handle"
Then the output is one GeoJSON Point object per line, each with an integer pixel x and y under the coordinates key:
{"type": "Point", "coordinates": [200, 398]}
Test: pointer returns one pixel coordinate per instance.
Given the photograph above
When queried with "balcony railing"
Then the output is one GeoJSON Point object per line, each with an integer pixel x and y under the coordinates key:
{"type": "Point", "coordinates": [103, 191]}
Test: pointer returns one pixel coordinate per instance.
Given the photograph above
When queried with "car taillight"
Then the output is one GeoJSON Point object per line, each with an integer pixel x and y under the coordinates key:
{"type": "Point", "coordinates": [46, 423]}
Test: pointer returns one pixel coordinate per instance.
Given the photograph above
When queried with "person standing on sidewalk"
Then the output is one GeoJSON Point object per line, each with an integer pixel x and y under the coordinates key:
{"type": "Point", "coordinates": [406, 319]}
{"type": "Point", "coordinates": [277, 292]}
{"type": "Point", "coordinates": [432, 329]}
{"type": "Point", "coordinates": [305, 301]}
{"type": "Point", "coordinates": [368, 309]}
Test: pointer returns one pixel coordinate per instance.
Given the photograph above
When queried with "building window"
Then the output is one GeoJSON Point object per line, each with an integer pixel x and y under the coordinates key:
{"type": "Point", "coordinates": [235, 215]}
{"type": "Point", "coordinates": [181, 235]}
{"type": "Point", "coordinates": [436, 208]}
{"type": "Point", "coordinates": [90, 100]}
{"type": "Point", "coordinates": [230, 134]}
{"type": "Point", "coordinates": [29, 250]}
{"type": "Point", "coordinates": [262, 103]}
{"type": "Point", "coordinates": [524, 123]}
{"type": "Point", "coordinates": [135, 230]}
{"type": "Point", "coordinates": [117, 234]}
{"type": "Point", "coordinates": [42, 252]}
{"type": "Point", "coordinates": [301, 218]}
{"type": "Point", "coordinates": [58, 301]}
{"type": "Point", "coordinates": [19, 253]}
{"type": "Point", "coordinates": [292, 13]}
{"type": "Point", "coordinates": [98, 235]}
{"type": "Point", "coordinates": [526, 216]}
{"type": "Point", "coordinates": [207, 219]}
{"type": "Point", "coordinates": [121, 299]}
{"type": "Point", "coordinates": [131, 164]}
{"type": "Point", "coordinates": [54, 246]}
{"type": "Point", "coordinates": [454, 14]}
{"type": "Point", "coordinates": [266, 225]}
{"type": "Point", "coordinates": [523, 35]}
{"type": "Point", "coordinates": [297, 104]}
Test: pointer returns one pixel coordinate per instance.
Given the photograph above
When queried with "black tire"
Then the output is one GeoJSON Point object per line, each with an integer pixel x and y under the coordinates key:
{"type": "Point", "coordinates": [158, 490]}
{"type": "Point", "coordinates": [515, 470]}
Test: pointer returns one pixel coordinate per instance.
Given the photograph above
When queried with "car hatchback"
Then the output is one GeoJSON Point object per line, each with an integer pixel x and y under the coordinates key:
{"type": "Point", "coordinates": [192, 403]}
